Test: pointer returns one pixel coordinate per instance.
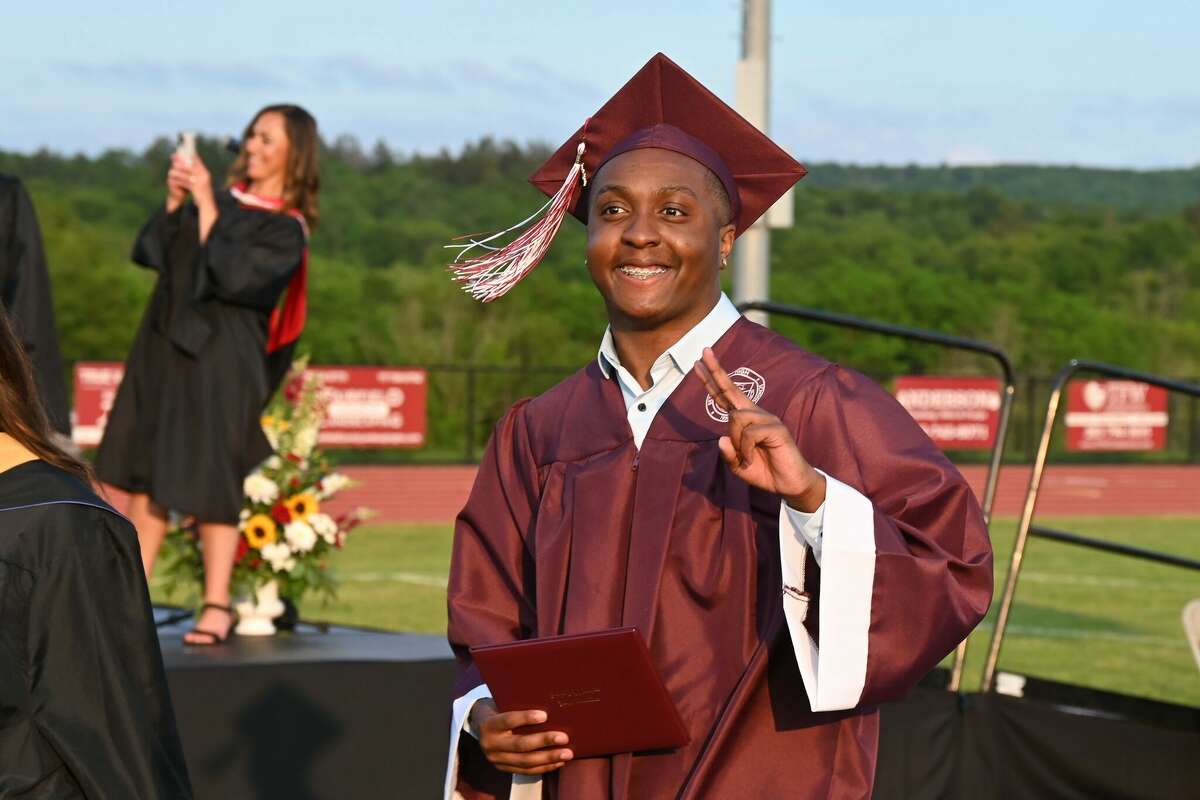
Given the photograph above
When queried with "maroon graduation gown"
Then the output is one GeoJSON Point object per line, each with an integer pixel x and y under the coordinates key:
{"type": "Point", "coordinates": [569, 528]}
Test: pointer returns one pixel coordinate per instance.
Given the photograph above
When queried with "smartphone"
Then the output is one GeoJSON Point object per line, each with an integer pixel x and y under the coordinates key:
{"type": "Point", "coordinates": [186, 145]}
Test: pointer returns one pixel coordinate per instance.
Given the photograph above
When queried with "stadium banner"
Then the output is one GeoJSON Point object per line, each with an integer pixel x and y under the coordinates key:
{"type": "Point", "coordinates": [366, 406]}
{"type": "Point", "coordinates": [1116, 416]}
{"type": "Point", "coordinates": [96, 385]}
{"type": "Point", "coordinates": [958, 413]}
{"type": "Point", "coordinates": [373, 406]}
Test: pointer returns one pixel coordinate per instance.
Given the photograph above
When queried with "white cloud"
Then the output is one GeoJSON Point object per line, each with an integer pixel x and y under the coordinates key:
{"type": "Point", "coordinates": [156, 74]}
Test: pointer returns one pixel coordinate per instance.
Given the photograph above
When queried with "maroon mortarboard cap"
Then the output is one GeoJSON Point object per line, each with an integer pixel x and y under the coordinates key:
{"type": "Point", "coordinates": [664, 107]}
{"type": "Point", "coordinates": [668, 137]}
{"type": "Point", "coordinates": [660, 107]}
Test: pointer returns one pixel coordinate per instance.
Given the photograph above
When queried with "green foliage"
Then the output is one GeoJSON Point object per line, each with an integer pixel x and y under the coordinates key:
{"type": "Point", "coordinates": [1049, 263]}
{"type": "Point", "coordinates": [1046, 284]}
{"type": "Point", "coordinates": [1125, 190]}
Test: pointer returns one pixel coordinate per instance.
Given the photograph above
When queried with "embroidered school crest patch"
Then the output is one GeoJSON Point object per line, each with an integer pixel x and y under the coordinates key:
{"type": "Point", "coordinates": [750, 382]}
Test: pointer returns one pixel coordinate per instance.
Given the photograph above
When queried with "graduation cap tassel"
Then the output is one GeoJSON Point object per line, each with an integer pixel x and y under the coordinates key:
{"type": "Point", "coordinates": [490, 275]}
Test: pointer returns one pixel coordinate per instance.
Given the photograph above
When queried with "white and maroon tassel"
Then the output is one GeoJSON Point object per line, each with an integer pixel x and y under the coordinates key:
{"type": "Point", "coordinates": [490, 275]}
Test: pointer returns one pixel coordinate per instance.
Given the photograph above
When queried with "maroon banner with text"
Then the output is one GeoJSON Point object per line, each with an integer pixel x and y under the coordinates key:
{"type": "Point", "coordinates": [957, 413]}
{"type": "Point", "coordinates": [373, 406]}
{"type": "Point", "coordinates": [366, 406]}
{"type": "Point", "coordinates": [1109, 415]}
{"type": "Point", "coordinates": [96, 385]}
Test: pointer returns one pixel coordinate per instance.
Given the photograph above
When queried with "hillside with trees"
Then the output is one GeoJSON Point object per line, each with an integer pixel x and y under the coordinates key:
{"type": "Point", "coordinates": [1130, 192]}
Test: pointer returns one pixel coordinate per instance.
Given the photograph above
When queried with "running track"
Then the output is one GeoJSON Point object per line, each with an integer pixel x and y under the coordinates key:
{"type": "Point", "coordinates": [435, 494]}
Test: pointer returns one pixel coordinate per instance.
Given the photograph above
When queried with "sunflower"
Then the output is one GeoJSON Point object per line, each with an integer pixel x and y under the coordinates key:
{"type": "Point", "coordinates": [261, 530]}
{"type": "Point", "coordinates": [301, 505]}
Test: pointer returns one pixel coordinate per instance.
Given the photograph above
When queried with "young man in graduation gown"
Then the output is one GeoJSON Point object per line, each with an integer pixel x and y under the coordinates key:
{"type": "Point", "coordinates": [791, 546]}
{"type": "Point", "coordinates": [25, 294]}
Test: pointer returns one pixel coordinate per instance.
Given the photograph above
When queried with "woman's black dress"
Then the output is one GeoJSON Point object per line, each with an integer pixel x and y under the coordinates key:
{"type": "Point", "coordinates": [84, 709]}
{"type": "Point", "coordinates": [185, 425]}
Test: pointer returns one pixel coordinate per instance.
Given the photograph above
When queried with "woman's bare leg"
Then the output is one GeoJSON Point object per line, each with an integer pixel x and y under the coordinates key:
{"type": "Point", "coordinates": [218, 544]}
{"type": "Point", "coordinates": [150, 519]}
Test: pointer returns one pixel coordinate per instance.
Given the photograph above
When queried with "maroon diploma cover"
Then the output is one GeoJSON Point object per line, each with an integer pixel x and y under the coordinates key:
{"type": "Point", "coordinates": [600, 689]}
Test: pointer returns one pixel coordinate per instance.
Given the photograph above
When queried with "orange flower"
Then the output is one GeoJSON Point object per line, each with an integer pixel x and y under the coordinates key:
{"type": "Point", "coordinates": [302, 505]}
{"type": "Point", "coordinates": [260, 530]}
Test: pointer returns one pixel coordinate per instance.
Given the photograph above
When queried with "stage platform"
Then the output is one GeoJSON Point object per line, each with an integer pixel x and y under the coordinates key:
{"type": "Point", "coordinates": [1053, 741]}
{"type": "Point", "coordinates": [338, 713]}
{"type": "Point", "coordinates": [319, 713]}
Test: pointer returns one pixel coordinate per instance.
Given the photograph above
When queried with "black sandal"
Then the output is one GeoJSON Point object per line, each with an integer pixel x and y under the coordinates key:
{"type": "Point", "coordinates": [214, 639]}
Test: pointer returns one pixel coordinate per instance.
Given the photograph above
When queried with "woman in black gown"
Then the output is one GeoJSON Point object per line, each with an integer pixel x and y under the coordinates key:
{"type": "Point", "coordinates": [84, 709]}
{"type": "Point", "coordinates": [185, 430]}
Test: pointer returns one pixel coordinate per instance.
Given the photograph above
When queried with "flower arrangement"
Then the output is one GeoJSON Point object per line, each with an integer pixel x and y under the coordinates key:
{"type": "Point", "coordinates": [283, 533]}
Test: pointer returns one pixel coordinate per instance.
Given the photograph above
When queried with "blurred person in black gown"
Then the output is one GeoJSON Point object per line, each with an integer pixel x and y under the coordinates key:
{"type": "Point", "coordinates": [25, 294]}
{"type": "Point", "coordinates": [84, 708]}
{"type": "Point", "coordinates": [185, 427]}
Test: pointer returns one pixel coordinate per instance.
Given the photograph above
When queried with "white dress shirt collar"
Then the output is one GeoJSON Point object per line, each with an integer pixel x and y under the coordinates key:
{"type": "Point", "coordinates": [667, 371]}
{"type": "Point", "coordinates": [685, 352]}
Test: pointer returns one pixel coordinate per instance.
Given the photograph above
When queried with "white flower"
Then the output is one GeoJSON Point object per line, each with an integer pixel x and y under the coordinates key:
{"type": "Point", "coordinates": [279, 556]}
{"type": "Point", "coordinates": [260, 489]}
{"type": "Point", "coordinates": [325, 527]}
{"type": "Point", "coordinates": [244, 514]}
{"type": "Point", "coordinates": [274, 462]}
{"type": "Point", "coordinates": [333, 483]}
{"type": "Point", "coordinates": [304, 440]}
{"type": "Point", "coordinates": [300, 536]}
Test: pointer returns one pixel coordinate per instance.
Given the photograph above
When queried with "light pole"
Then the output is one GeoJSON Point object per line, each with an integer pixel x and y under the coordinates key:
{"type": "Point", "coordinates": [752, 255]}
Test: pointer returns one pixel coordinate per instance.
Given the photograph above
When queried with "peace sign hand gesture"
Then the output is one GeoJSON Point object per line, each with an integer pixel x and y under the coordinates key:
{"type": "Point", "coordinates": [759, 449]}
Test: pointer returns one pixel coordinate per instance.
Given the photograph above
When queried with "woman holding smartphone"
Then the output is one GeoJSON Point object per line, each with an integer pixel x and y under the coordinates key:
{"type": "Point", "coordinates": [84, 708]}
{"type": "Point", "coordinates": [185, 429]}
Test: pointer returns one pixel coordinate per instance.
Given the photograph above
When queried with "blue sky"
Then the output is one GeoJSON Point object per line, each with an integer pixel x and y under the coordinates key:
{"type": "Point", "coordinates": [1065, 81]}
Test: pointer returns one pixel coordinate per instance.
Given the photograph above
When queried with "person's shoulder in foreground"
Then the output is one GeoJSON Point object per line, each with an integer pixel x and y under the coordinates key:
{"type": "Point", "coordinates": [82, 672]}
{"type": "Point", "coordinates": [58, 513]}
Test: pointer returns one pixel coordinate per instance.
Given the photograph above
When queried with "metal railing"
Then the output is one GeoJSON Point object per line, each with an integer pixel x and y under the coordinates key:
{"type": "Point", "coordinates": [1027, 528]}
{"type": "Point", "coordinates": [941, 340]}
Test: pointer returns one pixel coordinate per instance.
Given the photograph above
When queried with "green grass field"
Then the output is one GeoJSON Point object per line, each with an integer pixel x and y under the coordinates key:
{"type": "Point", "coordinates": [1081, 616]}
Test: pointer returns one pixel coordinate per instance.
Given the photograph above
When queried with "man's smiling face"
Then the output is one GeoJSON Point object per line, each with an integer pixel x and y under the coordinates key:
{"type": "Point", "coordinates": [657, 234]}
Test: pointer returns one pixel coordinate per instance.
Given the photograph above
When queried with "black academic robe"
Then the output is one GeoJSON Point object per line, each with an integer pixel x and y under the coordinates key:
{"type": "Point", "coordinates": [84, 708]}
{"type": "Point", "coordinates": [25, 295]}
{"type": "Point", "coordinates": [185, 425]}
{"type": "Point", "coordinates": [571, 528]}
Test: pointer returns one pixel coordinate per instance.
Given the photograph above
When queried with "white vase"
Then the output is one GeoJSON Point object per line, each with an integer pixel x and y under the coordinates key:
{"type": "Point", "coordinates": [256, 616]}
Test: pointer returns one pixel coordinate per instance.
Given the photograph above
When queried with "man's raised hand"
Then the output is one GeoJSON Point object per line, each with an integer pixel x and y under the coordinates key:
{"type": "Point", "coordinates": [758, 447]}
